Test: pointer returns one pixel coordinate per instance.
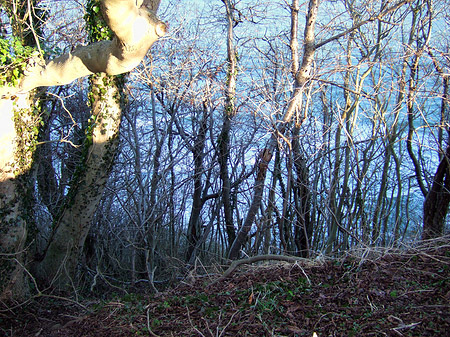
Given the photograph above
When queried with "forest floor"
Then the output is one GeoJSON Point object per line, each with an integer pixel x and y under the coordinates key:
{"type": "Point", "coordinates": [365, 293]}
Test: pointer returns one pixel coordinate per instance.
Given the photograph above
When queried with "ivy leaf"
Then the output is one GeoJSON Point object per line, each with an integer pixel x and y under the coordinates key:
{"type": "Point", "coordinates": [16, 72]}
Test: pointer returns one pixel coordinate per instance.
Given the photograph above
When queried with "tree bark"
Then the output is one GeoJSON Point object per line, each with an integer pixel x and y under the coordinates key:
{"type": "Point", "coordinates": [20, 120]}
{"type": "Point", "coordinates": [303, 226]}
{"type": "Point", "coordinates": [194, 227]}
{"type": "Point", "coordinates": [436, 203]}
{"type": "Point", "coordinates": [301, 76]}
{"type": "Point", "coordinates": [16, 197]}
{"type": "Point", "coordinates": [224, 138]}
{"type": "Point", "coordinates": [136, 28]}
{"type": "Point", "coordinates": [59, 264]}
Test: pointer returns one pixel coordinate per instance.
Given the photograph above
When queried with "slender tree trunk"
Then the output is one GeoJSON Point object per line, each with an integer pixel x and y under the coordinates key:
{"type": "Point", "coordinates": [303, 226]}
{"type": "Point", "coordinates": [301, 75]}
{"type": "Point", "coordinates": [420, 34]}
{"type": "Point", "coordinates": [334, 204]}
{"type": "Point", "coordinates": [194, 230]}
{"type": "Point", "coordinates": [436, 203]}
{"type": "Point", "coordinates": [224, 138]}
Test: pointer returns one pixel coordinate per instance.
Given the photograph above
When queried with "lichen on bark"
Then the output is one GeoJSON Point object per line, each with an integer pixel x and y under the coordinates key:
{"type": "Point", "coordinates": [17, 225]}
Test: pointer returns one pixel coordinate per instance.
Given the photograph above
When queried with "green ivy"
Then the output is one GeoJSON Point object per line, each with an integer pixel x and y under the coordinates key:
{"type": "Point", "coordinates": [27, 124]}
{"type": "Point", "coordinates": [95, 24]}
{"type": "Point", "coordinates": [14, 57]}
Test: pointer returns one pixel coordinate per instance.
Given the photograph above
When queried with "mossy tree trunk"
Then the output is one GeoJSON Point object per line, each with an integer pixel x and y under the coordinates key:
{"type": "Point", "coordinates": [21, 120]}
{"type": "Point", "coordinates": [59, 264]}
{"type": "Point", "coordinates": [135, 28]}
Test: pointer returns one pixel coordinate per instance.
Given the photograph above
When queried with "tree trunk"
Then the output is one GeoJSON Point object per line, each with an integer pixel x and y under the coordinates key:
{"type": "Point", "coordinates": [194, 227]}
{"type": "Point", "coordinates": [263, 163]}
{"type": "Point", "coordinates": [303, 227]}
{"type": "Point", "coordinates": [20, 122]}
{"type": "Point", "coordinates": [436, 203]}
{"type": "Point", "coordinates": [224, 138]}
{"type": "Point", "coordinates": [418, 31]}
{"type": "Point", "coordinates": [18, 146]}
{"type": "Point", "coordinates": [59, 263]}
{"type": "Point", "coordinates": [301, 75]}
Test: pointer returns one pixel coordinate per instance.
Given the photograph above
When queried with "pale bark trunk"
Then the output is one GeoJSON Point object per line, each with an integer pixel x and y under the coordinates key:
{"type": "Point", "coordinates": [19, 123]}
{"type": "Point", "coordinates": [59, 264]}
{"type": "Point", "coordinates": [136, 28]}
{"type": "Point", "coordinates": [16, 202]}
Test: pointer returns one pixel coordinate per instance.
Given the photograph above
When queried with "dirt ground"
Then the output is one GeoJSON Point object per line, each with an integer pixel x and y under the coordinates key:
{"type": "Point", "coordinates": [365, 293]}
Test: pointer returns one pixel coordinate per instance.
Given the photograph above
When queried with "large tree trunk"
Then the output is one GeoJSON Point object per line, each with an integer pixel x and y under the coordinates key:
{"type": "Point", "coordinates": [20, 122]}
{"type": "Point", "coordinates": [16, 192]}
{"type": "Point", "coordinates": [59, 264]}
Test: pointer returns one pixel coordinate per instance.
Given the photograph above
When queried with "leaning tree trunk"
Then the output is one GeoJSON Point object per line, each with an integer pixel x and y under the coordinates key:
{"type": "Point", "coordinates": [301, 76]}
{"type": "Point", "coordinates": [59, 264]}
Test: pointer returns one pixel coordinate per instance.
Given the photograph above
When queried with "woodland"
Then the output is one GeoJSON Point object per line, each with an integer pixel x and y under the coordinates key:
{"type": "Point", "coordinates": [145, 145]}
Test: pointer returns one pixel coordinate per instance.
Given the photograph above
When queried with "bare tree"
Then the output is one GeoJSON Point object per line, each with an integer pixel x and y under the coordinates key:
{"type": "Point", "coordinates": [301, 77]}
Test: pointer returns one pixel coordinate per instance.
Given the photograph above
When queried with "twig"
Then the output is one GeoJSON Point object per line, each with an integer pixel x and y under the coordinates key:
{"type": "Point", "coordinates": [228, 324]}
{"type": "Point", "coordinates": [192, 324]}
{"type": "Point", "coordinates": [303, 271]}
{"type": "Point", "coordinates": [148, 325]}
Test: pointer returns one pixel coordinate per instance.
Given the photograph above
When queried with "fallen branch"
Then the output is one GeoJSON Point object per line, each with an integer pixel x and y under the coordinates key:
{"type": "Point", "coordinates": [254, 259]}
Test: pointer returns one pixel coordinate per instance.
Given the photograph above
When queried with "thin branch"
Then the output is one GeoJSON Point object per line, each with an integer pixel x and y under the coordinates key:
{"type": "Point", "coordinates": [362, 23]}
